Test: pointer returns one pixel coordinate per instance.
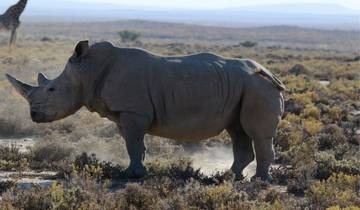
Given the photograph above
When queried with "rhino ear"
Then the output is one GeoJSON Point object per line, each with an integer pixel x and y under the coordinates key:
{"type": "Point", "coordinates": [42, 80]}
{"type": "Point", "coordinates": [21, 87]}
{"type": "Point", "coordinates": [82, 48]}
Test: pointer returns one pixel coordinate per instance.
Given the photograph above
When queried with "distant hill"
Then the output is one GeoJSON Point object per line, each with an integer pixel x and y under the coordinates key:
{"type": "Point", "coordinates": [165, 32]}
{"type": "Point", "coordinates": [328, 16]}
{"type": "Point", "coordinates": [296, 8]}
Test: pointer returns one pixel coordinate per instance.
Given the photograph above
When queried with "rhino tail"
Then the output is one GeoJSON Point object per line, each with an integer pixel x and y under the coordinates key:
{"type": "Point", "coordinates": [274, 79]}
{"type": "Point", "coordinates": [262, 71]}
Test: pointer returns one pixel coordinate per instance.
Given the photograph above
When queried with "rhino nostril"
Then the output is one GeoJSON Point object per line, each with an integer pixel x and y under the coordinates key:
{"type": "Point", "coordinates": [33, 114]}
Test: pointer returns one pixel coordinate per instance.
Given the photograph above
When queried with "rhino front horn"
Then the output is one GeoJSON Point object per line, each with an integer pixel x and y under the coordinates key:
{"type": "Point", "coordinates": [42, 80]}
{"type": "Point", "coordinates": [21, 87]}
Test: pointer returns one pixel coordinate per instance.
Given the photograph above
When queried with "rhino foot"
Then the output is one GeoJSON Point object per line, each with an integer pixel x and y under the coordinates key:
{"type": "Point", "coordinates": [135, 173]}
{"type": "Point", "coordinates": [239, 177]}
{"type": "Point", "coordinates": [263, 177]}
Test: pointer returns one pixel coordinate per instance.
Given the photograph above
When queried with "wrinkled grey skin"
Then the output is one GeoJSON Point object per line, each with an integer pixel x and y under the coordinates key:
{"type": "Point", "coordinates": [185, 98]}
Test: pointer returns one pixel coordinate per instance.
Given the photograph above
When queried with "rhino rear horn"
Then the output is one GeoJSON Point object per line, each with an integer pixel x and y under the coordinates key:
{"type": "Point", "coordinates": [21, 87]}
{"type": "Point", "coordinates": [42, 80]}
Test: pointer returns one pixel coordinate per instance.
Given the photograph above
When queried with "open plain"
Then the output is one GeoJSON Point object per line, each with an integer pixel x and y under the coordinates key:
{"type": "Point", "coordinates": [81, 158]}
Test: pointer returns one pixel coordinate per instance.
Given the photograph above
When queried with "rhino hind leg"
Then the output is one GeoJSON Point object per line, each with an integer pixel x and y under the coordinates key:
{"type": "Point", "coordinates": [259, 120]}
{"type": "Point", "coordinates": [132, 128]}
{"type": "Point", "coordinates": [262, 131]}
{"type": "Point", "coordinates": [242, 149]}
{"type": "Point", "coordinates": [264, 157]}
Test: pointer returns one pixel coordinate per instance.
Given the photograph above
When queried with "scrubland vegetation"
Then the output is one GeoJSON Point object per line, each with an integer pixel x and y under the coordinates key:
{"type": "Point", "coordinates": [317, 143]}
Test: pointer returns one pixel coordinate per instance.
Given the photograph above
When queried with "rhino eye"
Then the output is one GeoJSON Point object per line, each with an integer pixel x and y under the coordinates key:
{"type": "Point", "coordinates": [52, 89]}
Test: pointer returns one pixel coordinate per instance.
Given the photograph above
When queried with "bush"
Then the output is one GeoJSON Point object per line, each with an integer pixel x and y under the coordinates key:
{"type": "Point", "coordinates": [335, 113]}
{"type": "Point", "coordinates": [312, 126]}
{"type": "Point", "coordinates": [129, 36]}
{"type": "Point", "coordinates": [89, 166]}
{"type": "Point", "coordinates": [328, 165]}
{"type": "Point", "coordinates": [12, 159]}
{"type": "Point", "coordinates": [182, 170]}
{"type": "Point", "coordinates": [331, 136]}
{"type": "Point", "coordinates": [248, 44]}
{"type": "Point", "coordinates": [46, 154]}
{"type": "Point", "coordinates": [6, 185]}
{"type": "Point", "coordinates": [311, 111]}
{"type": "Point", "coordinates": [305, 98]}
{"type": "Point", "coordinates": [135, 196]}
{"type": "Point", "coordinates": [293, 107]}
{"type": "Point", "coordinates": [212, 197]}
{"type": "Point", "coordinates": [339, 189]}
{"type": "Point", "coordinates": [299, 69]}
{"type": "Point", "coordinates": [288, 135]}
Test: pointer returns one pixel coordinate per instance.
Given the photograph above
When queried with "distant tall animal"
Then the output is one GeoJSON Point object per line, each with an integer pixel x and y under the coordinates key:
{"type": "Point", "coordinates": [9, 21]}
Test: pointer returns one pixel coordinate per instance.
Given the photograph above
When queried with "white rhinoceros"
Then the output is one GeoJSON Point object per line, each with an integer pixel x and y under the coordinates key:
{"type": "Point", "coordinates": [185, 98]}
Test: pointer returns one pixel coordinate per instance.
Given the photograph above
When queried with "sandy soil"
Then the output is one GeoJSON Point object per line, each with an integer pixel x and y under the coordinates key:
{"type": "Point", "coordinates": [28, 178]}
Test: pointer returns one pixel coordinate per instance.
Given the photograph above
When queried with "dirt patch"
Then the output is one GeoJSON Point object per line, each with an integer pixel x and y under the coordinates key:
{"type": "Point", "coordinates": [28, 179]}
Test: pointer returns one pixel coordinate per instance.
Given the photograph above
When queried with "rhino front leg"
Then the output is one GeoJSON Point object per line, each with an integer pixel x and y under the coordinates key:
{"type": "Point", "coordinates": [132, 127]}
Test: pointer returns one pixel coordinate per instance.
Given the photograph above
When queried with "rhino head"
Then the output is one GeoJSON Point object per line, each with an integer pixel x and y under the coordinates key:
{"type": "Point", "coordinates": [55, 99]}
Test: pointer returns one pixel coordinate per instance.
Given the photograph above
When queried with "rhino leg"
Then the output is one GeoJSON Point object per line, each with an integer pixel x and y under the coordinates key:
{"type": "Point", "coordinates": [259, 116]}
{"type": "Point", "coordinates": [264, 157]}
{"type": "Point", "coordinates": [262, 130]}
{"type": "Point", "coordinates": [242, 149]}
{"type": "Point", "coordinates": [132, 128]}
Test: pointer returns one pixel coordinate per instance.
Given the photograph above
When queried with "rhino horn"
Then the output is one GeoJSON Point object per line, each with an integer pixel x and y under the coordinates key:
{"type": "Point", "coordinates": [42, 80]}
{"type": "Point", "coordinates": [21, 87]}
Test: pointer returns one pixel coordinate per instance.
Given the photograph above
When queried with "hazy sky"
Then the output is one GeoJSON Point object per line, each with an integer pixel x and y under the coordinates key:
{"type": "Point", "coordinates": [206, 4]}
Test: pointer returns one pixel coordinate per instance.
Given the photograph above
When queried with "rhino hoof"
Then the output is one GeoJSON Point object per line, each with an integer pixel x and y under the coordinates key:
{"type": "Point", "coordinates": [262, 177]}
{"type": "Point", "coordinates": [135, 173]}
{"type": "Point", "coordinates": [239, 177]}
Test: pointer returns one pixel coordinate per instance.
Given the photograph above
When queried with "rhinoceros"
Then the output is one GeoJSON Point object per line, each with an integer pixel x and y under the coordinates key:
{"type": "Point", "coordinates": [187, 98]}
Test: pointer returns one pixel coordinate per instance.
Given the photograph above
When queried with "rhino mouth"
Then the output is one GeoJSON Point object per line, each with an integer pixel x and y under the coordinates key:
{"type": "Point", "coordinates": [41, 117]}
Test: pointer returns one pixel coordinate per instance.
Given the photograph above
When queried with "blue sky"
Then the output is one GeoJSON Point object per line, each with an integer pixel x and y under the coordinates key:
{"type": "Point", "coordinates": [211, 4]}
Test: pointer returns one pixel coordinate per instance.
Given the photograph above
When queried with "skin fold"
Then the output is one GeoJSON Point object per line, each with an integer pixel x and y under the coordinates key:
{"type": "Point", "coordinates": [186, 98]}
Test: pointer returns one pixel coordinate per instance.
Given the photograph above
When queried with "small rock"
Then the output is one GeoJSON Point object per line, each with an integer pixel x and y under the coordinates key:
{"type": "Point", "coordinates": [324, 82]}
{"type": "Point", "coordinates": [355, 113]}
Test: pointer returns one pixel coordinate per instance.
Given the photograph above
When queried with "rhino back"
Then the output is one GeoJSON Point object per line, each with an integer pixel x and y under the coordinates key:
{"type": "Point", "coordinates": [194, 97]}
